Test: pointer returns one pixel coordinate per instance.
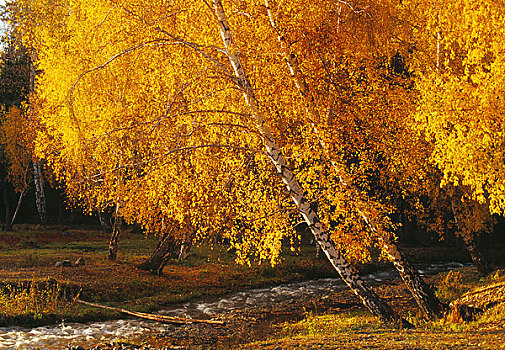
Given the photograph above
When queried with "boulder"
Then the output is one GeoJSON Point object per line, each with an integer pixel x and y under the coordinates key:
{"type": "Point", "coordinates": [66, 263]}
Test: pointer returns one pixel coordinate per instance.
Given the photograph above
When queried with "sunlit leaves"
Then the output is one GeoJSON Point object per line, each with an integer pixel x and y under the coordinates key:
{"type": "Point", "coordinates": [462, 108]}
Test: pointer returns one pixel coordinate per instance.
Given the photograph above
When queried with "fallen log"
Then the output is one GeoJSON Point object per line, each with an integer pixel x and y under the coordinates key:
{"type": "Point", "coordinates": [152, 317]}
{"type": "Point", "coordinates": [469, 306]}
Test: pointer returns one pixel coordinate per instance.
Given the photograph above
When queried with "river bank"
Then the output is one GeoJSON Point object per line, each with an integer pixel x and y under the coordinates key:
{"type": "Point", "coordinates": [336, 321]}
{"type": "Point", "coordinates": [32, 255]}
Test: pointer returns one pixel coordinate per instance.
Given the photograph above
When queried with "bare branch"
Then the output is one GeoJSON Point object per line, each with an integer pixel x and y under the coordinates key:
{"type": "Point", "coordinates": [103, 65]}
{"type": "Point", "coordinates": [97, 177]}
{"type": "Point", "coordinates": [100, 24]}
{"type": "Point", "coordinates": [353, 9]}
{"type": "Point", "coordinates": [159, 120]}
{"type": "Point", "coordinates": [197, 47]}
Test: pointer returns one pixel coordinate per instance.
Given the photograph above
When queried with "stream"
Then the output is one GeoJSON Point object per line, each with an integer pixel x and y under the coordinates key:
{"type": "Point", "coordinates": [90, 334]}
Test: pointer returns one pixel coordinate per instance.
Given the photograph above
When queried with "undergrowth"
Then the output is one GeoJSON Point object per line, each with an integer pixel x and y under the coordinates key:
{"type": "Point", "coordinates": [33, 298]}
{"type": "Point", "coordinates": [315, 325]}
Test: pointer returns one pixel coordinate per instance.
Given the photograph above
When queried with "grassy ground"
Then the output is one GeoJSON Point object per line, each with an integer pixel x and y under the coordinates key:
{"type": "Point", "coordinates": [335, 321]}
{"type": "Point", "coordinates": [31, 255]}
{"type": "Point", "coordinates": [358, 330]}
{"type": "Point", "coordinates": [339, 321]}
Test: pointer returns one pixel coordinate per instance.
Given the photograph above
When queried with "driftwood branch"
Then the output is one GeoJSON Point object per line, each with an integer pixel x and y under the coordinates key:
{"type": "Point", "coordinates": [152, 317]}
{"type": "Point", "coordinates": [472, 304]}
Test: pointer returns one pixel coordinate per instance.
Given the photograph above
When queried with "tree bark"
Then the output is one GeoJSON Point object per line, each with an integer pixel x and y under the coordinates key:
{"type": "Point", "coordinates": [478, 260]}
{"type": "Point", "coordinates": [40, 196]}
{"type": "Point", "coordinates": [5, 197]}
{"type": "Point", "coordinates": [104, 223]}
{"type": "Point", "coordinates": [21, 194]}
{"type": "Point", "coordinates": [468, 237]}
{"type": "Point", "coordinates": [169, 247]}
{"type": "Point", "coordinates": [18, 206]}
{"type": "Point", "coordinates": [348, 273]}
{"type": "Point", "coordinates": [422, 293]}
{"type": "Point", "coordinates": [115, 234]}
{"type": "Point", "coordinates": [165, 250]}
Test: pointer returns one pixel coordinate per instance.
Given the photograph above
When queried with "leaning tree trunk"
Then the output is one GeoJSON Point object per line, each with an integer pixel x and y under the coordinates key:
{"type": "Point", "coordinates": [165, 250]}
{"type": "Point", "coordinates": [40, 196]}
{"type": "Point", "coordinates": [477, 258]}
{"type": "Point", "coordinates": [21, 194]}
{"type": "Point", "coordinates": [168, 248]}
{"type": "Point", "coordinates": [18, 206]}
{"type": "Point", "coordinates": [422, 293]}
{"type": "Point", "coordinates": [348, 273]}
{"type": "Point", "coordinates": [468, 237]}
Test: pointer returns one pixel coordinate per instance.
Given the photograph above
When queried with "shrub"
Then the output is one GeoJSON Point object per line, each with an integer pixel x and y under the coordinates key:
{"type": "Point", "coordinates": [34, 298]}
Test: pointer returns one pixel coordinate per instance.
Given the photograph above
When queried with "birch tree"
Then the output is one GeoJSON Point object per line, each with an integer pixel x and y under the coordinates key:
{"type": "Point", "coordinates": [296, 55]}
{"type": "Point", "coordinates": [160, 106]}
{"type": "Point", "coordinates": [461, 68]}
{"type": "Point", "coordinates": [16, 133]}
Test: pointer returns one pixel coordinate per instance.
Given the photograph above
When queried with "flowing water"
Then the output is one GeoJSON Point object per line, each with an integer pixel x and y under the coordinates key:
{"type": "Point", "coordinates": [90, 334]}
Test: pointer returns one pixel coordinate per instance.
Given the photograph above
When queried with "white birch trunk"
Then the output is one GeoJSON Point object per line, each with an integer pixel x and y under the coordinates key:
{"type": "Point", "coordinates": [422, 293]}
{"type": "Point", "coordinates": [115, 234]}
{"type": "Point", "coordinates": [21, 195]}
{"type": "Point", "coordinates": [347, 272]}
{"type": "Point", "coordinates": [18, 206]}
{"type": "Point", "coordinates": [40, 196]}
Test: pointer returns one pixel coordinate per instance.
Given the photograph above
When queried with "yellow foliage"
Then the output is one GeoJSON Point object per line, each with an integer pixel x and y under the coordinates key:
{"type": "Point", "coordinates": [461, 106]}
{"type": "Point", "coordinates": [17, 135]}
{"type": "Point", "coordinates": [140, 112]}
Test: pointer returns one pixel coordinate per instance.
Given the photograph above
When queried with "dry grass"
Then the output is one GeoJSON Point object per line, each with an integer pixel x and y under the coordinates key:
{"type": "Point", "coordinates": [360, 330]}
{"type": "Point", "coordinates": [35, 299]}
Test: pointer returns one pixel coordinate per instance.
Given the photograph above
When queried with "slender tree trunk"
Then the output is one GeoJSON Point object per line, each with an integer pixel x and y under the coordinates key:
{"type": "Point", "coordinates": [40, 196]}
{"type": "Point", "coordinates": [478, 260]}
{"type": "Point", "coordinates": [422, 293]}
{"type": "Point", "coordinates": [116, 233]}
{"type": "Point", "coordinates": [184, 248]}
{"type": "Point", "coordinates": [348, 273]}
{"type": "Point", "coordinates": [18, 206]}
{"type": "Point", "coordinates": [5, 197]}
{"type": "Point", "coordinates": [21, 194]}
{"type": "Point", "coordinates": [104, 223]}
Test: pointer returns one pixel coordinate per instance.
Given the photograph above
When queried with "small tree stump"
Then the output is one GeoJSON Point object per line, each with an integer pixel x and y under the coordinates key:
{"type": "Point", "coordinates": [472, 304]}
